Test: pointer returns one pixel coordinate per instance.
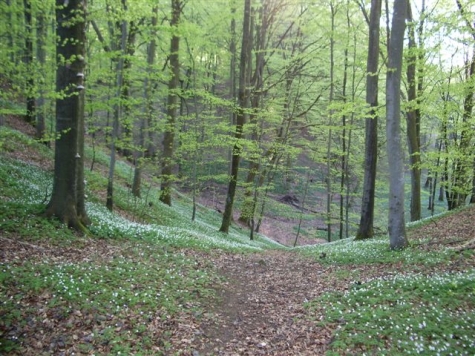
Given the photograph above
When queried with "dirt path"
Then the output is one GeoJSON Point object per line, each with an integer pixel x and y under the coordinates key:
{"type": "Point", "coordinates": [262, 305]}
{"type": "Point", "coordinates": [261, 310]}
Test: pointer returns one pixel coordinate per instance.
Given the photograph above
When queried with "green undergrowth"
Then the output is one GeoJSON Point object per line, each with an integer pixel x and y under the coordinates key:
{"type": "Point", "coordinates": [115, 296]}
{"type": "Point", "coordinates": [140, 279]}
{"type": "Point", "coordinates": [14, 141]}
{"type": "Point", "coordinates": [25, 189]}
{"type": "Point", "coordinates": [144, 273]}
{"type": "Point", "coordinates": [411, 314]}
{"type": "Point", "coordinates": [373, 251]}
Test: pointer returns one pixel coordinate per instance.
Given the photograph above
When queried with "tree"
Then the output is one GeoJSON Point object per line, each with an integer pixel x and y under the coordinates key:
{"type": "Point", "coordinates": [145, 141]}
{"type": "Point", "coordinates": [118, 108]}
{"type": "Point", "coordinates": [41, 36]}
{"type": "Point", "coordinates": [413, 117]}
{"type": "Point", "coordinates": [365, 229]}
{"type": "Point", "coordinates": [67, 200]}
{"type": "Point", "coordinates": [396, 221]}
{"type": "Point", "coordinates": [172, 106]}
{"type": "Point", "coordinates": [240, 119]}
{"type": "Point", "coordinates": [462, 162]}
{"type": "Point", "coordinates": [30, 116]}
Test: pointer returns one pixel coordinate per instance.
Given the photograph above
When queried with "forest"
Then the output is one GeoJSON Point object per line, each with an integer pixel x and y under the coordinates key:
{"type": "Point", "coordinates": [270, 99]}
{"type": "Point", "coordinates": [237, 177]}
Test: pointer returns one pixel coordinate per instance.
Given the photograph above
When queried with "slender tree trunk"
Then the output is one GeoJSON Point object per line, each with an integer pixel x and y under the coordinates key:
{"type": "Point", "coordinates": [257, 85]}
{"type": "Point", "coordinates": [344, 156]}
{"type": "Point", "coordinates": [240, 120]}
{"type": "Point", "coordinates": [302, 208]}
{"type": "Point", "coordinates": [412, 120]}
{"type": "Point", "coordinates": [11, 32]}
{"type": "Point", "coordinates": [145, 143]}
{"type": "Point", "coordinates": [330, 123]}
{"type": "Point", "coordinates": [172, 107]}
{"type": "Point", "coordinates": [117, 116]}
{"type": "Point", "coordinates": [30, 116]}
{"type": "Point", "coordinates": [67, 199]}
{"type": "Point", "coordinates": [126, 134]}
{"type": "Point", "coordinates": [472, 198]}
{"type": "Point", "coordinates": [396, 221]}
{"type": "Point", "coordinates": [365, 229]}
{"type": "Point", "coordinates": [41, 56]}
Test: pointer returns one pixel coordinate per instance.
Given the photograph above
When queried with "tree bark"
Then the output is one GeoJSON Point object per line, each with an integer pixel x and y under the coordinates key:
{"type": "Point", "coordinates": [30, 115]}
{"type": "Point", "coordinates": [413, 122]}
{"type": "Point", "coordinates": [172, 107]}
{"type": "Point", "coordinates": [67, 200]}
{"type": "Point", "coordinates": [41, 34]}
{"type": "Point", "coordinates": [365, 229]}
{"type": "Point", "coordinates": [396, 221]}
{"type": "Point", "coordinates": [117, 113]}
{"type": "Point", "coordinates": [145, 150]}
{"type": "Point", "coordinates": [240, 120]}
{"type": "Point", "coordinates": [257, 83]}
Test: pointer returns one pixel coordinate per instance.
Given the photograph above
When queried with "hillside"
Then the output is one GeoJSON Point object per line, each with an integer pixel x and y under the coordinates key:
{"type": "Point", "coordinates": [147, 281]}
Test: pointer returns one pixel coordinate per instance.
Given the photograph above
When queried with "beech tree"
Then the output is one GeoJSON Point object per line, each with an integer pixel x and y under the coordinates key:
{"type": "Point", "coordinates": [67, 200]}
{"type": "Point", "coordinates": [30, 116]}
{"type": "Point", "coordinates": [240, 119]}
{"type": "Point", "coordinates": [172, 106]}
{"type": "Point", "coordinates": [365, 229]}
{"type": "Point", "coordinates": [413, 114]}
{"type": "Point", "coordinates": [396, 220]}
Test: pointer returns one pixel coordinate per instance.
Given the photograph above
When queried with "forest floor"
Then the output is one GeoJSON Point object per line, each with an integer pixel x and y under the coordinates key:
{"type": "Point", "coordinates": [260, 305]}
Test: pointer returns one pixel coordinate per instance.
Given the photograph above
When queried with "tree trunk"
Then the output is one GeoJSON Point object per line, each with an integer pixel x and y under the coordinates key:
{"type": "Point", "coordinates": [240, 120]}
{"type": "Point", "coordinates": [117, 114]}
{"type": "Point", "coordinates": [472, 198]}
{"type": "Point", "coordinates": [172, 107]}
{"type": "Point", "coordinates": [413, 120]}
{"type": "Point", "coordinates": [30, 116]}
{"type": "Point", "coordinates": [396, 222]}
{"type": "Point", "coordinates": [41, 55]}
{"type": "Point", "coordinates": [257, 84]}
{"type": "Point", "coordinates": [344, 155]}
{"type": "Point", "coordinates": [330, 119]}
{"type": "Point", "coordinates": [67, 199]}
{"type": "Point", "coordinates": [145, 143]}
{"type": "Point", "coordinates": [365, 229]}
{"type": "Point", "coordinates": [126, 134]}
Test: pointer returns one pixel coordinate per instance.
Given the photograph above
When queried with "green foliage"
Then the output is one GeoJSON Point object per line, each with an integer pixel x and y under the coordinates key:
{"type": "Point", "coordinates": [9, 107]}
{"type": "Point", "coordinates": [374, 250]}
{"type": "Point", "coordinates": [25, 220]}
{"type": "Point", "coordinates": [23, 182]}
{"type": "Point", "coordinates": [405, 314]}
{"type": "Point", "coordinates": [27, 188]}
{"type": "Point", "coordinates": [137, 283]}
{"type": "Point", "coordinates": [14, 141]}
